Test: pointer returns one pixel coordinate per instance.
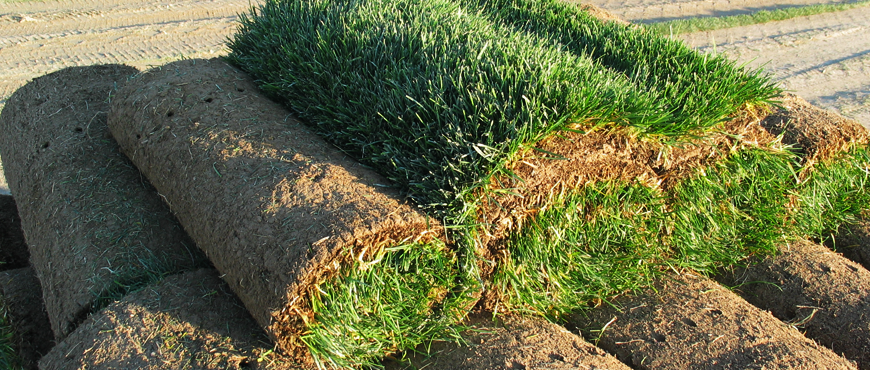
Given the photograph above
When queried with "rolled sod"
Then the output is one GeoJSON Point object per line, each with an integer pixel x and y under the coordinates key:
{"type": "Point", "coordinates": [818, 291]}
{"type": "Point", "coordinates": [276, 209]}
{"type": "Point", "coordinates": [21, 297]}
{"type": "Point", "coordinates": [691, 322]}
{"type": "Point", "coordinates": [13, 248]}
{"type": "Point", "coordinates": [854, 243]}
{"type": "Point", "coordinates": [94, 225]}
{"type": "Point", "coordinates": [185, 321]}
{"type": "Point", "coordinates": [511, 342]}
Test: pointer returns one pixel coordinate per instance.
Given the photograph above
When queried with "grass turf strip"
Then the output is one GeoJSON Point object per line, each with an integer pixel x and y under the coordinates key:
{"type": "Point", "coordinates": [700, 24]}
{"type": "Point", "coordinates": [698, 91]}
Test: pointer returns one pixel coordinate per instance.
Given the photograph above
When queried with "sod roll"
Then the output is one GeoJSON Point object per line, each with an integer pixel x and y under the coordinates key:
{"type": "Point", "coordinates": [511, 342]}
{"type": "Point", "coordinates": [21, 297]}
{"type": "Point", "coordinates": [820, 292]}
{"type": "Point", "coordinates": [94, 225]}
{"type": "Point", "coordinates": [185, 321]}
{"type": "Point", "coordinates": [275, 208]}
{"type": "Point", "coordinates": [690, 322]}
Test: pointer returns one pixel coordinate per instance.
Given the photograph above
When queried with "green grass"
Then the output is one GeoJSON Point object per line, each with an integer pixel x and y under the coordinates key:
{"type": "Point", "coordinates": [698, 91]}
{"type": "Point", "coordinates": [405, 296]}
{"type": "Point", "coordinates": [836, 193]}
{"type": "Point", "coordinates": [700, 24]}
{"type": "Point", "coordinates": [732, 210]}
{"type": "Point", "coordinates": [585, 245]}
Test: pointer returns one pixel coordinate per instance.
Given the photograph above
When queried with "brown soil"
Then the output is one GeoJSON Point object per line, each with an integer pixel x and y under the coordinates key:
{"type": "Point", "coordinates": [186, 321]}
{"type": "Point", "coordinates": [511, 342]}
{"type": "Point", "coordinates": [274, 207]}
{"type": "Point", "coordinates": [21, 294]}
{"type": "Point", "coordinates": [588, 158]}
{"type": "Point", "coordinates": [817, 133]}
{"type": "Point", "coordinates": [854, 243]}
{"type": "Point", "coordinates": [91, 220]}
{"type": "Point", "coordinates": [13, 249]}
{"type": "Point", "coordinates": [690, 322]}
{"type": "Point", "coordinates": [816, 290]}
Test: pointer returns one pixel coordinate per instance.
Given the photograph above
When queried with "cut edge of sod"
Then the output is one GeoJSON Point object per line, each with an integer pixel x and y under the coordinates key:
{"type": "Point", "coordinates": [400, 297]}
{"type": "Point", "coordinates": [700, 24]}
{"type": "Point", "coordinates": [836, 193]}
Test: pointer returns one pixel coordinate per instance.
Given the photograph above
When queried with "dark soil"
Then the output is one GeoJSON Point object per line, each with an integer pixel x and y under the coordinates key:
{"type": "Point", "coordinates": [817, 133]}
{"type": "Point", "coordinates": [511, 343]}
{"type": "Point", "coordinates": [13, 249]}
{"type": "Point", "coordinates": [186, 321]}
{"type": "Point", "coordinates": [690, 322]}
{"type": "Point", "coordinates": [21, 294]}
{"type": "Point", "coordinates": [93, 224]}
{"type": "Point", "coordinates": [823, 294]}
{"type": "Point", "coordinates": [854, 243]}
{"type": "Point", "coordinates": [274, 207]}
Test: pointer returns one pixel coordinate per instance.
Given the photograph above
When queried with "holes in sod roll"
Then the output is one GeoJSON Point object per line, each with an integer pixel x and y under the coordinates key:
{"type": "Point", "coordinates": [403, 296]}
{"type": "Point", "coordinates": [78, 129]}
{"type": "Point", "coordinates": [170, 114]}
{"type": "Point", "coordinates": [208, 100]}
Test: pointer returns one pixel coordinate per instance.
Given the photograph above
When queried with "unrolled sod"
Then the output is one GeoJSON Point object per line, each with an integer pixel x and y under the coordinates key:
{"type": "Point", "coordinates": [275, 208]}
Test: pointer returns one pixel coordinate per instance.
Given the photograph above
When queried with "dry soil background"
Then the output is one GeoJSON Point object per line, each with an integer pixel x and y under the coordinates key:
{"type": "Point", "coordinates": [823, 58]}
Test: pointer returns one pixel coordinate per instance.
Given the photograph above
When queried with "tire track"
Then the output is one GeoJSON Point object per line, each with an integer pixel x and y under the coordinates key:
{"type": "Point", "coordinates": [648, 11]}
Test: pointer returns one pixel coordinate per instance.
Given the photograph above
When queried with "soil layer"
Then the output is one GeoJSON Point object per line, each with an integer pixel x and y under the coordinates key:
{"type": "Point", "coordinates": [93, 224]}
{"type": "Point", "coordinates": [274, 207]}
{"type": "Point", "coordinates": [186, 321]}
{"type": "Point", "coordinates": [511, 342]}
{"type": "Point", "coordinates": [823, 294]}
{"type": "Point", "coordinates": [21, 294]}
{"type": "Point", "coordinates": [13, 249]}
{"type": "Point", "coordinates": [854, 243]}
{"type": "Point", "coordinates": [690, 322]}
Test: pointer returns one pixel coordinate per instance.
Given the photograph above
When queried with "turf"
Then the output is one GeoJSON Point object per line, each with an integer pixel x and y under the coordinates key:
{"type": "Point", "coordinates": [8, 357]}
{"type": "Point", "coordinates": [404, 296]}
{"type": "Point", "coordinates": [700, 24]}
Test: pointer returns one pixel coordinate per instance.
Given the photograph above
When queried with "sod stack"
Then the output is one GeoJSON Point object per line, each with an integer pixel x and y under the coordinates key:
{"type": "Point", "coordinates": [573, 158]}
{"type": "Point", "coordinates": [94, 225]}
{"type": "Point", "coordinates": [279, 211]}
{"type": "Point", "coordinates": [185, 321]}
{"type": "Point", "coordinates": [24, 313]}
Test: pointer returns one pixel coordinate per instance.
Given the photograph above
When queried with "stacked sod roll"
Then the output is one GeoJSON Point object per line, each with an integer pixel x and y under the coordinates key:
{"type": "Point", "coordinates": [283, 215]}
{"type": "Point", "coordinates": [570, 158]}
{"type": "Point", "coordinates": [95, 227]}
